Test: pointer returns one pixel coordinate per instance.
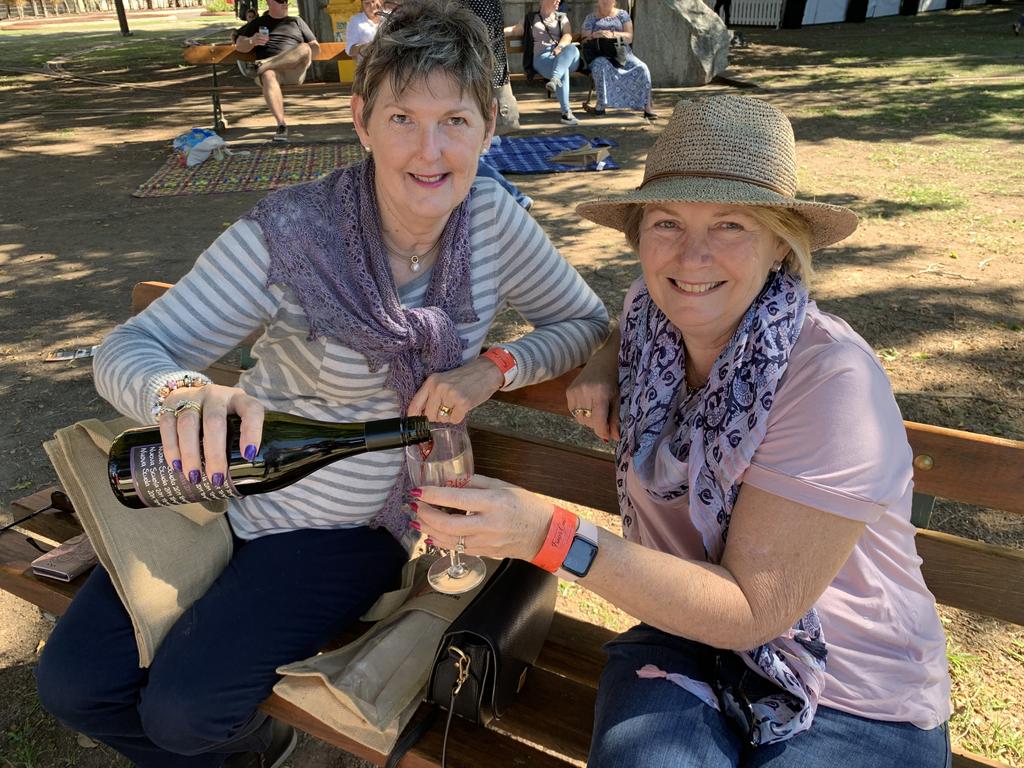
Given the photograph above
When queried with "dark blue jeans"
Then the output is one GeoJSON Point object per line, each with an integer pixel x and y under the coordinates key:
{"type": "Point", "coordinates": [280, 599]}
{"type": "Point", "coordinates": [656, 724]}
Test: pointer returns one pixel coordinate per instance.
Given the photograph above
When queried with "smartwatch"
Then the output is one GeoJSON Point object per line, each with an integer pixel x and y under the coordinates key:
{"type": "Point", "coordinates": [581, 553]}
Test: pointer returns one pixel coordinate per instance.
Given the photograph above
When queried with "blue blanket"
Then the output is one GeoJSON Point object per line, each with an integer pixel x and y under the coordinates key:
{"type": "Point", "coordinates": [530, 154]}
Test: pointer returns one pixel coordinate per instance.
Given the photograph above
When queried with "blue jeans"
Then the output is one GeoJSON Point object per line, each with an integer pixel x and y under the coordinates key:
{"type": "Point", "coordinates": [656, 724]}
{"type": "Point", "coordinates": [550, 67]}
{"type": "Point", "coordinates": [280, 599]}
{"type": "Point", "coordinates": [488, 171]}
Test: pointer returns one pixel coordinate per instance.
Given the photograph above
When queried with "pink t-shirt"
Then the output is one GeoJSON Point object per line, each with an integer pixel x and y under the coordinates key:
{"type": "Point", "coordinates": [835, 441]}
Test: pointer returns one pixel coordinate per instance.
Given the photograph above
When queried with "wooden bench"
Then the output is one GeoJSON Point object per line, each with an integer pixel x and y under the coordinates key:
{"type": "Point", "coordinates": [550, 723]}
{"type": "Point", "coordinates": [223, 54]}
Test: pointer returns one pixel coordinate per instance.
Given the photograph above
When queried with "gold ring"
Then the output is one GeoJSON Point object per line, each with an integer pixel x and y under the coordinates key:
{"type": "Point", "coordinates": [460, 545]}
{"type": "Point", "coordinates": [444, 410]}
{"type": "Point", "coordinates": [187, 405]}
{"type": "Point", "coordinates": [586, 413]}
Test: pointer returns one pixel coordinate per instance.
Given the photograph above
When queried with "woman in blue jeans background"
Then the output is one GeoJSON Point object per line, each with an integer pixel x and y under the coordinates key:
{"type": "Point", "coordinates": [548, 49]}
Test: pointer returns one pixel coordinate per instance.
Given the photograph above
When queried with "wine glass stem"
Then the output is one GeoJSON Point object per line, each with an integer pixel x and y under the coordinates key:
{"type": "Point", "coordinates": [457, 569]}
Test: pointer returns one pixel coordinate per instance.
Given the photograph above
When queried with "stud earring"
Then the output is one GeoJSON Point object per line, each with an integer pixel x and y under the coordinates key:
{"type": "Point", "coordinates": [367, 149]}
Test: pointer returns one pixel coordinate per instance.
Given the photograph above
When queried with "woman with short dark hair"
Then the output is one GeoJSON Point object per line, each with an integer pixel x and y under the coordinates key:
{"type": "Point", "coordinates": [372, 290]}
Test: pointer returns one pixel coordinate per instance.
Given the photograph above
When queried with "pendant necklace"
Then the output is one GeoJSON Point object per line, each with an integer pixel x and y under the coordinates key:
{"type": "Point", "coordinates": [414, 259]}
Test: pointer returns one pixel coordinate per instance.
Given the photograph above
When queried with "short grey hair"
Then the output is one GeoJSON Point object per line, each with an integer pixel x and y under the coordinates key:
{"type": "Point", "coordinates": [421, 37]}
{"type": "Point", "coordinates": [785, 223]}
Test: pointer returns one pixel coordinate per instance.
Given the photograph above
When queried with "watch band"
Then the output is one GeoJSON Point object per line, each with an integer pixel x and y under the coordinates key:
{"type": "Point", "coordinates": [586, 537]}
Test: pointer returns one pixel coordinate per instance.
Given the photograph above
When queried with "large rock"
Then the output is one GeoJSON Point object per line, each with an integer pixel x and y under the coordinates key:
{"type": "Point", "coordinates": [684, 42]}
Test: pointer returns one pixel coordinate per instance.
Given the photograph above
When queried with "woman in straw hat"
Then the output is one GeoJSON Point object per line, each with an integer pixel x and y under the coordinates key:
{"type": "Point", "coordinates": [764, 479]}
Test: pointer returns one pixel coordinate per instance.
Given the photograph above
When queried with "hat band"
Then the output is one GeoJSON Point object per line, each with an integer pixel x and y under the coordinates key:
{"type": "Point", "coordinates": [713, 175]}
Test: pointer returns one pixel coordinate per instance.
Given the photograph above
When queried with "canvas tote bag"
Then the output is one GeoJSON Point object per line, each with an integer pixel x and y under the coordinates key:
{"type": "Point", "coordinates": [161, 559]}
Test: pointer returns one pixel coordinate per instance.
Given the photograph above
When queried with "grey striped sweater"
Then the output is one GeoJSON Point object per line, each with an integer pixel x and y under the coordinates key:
{"type": "Point", "coordinates": [224, 298]}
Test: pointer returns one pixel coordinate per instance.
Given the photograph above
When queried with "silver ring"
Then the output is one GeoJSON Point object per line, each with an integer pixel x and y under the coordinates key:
{"type": "Point", "coordinates": [187, 405]}
{"type": "Point", "coordinates": [460, 545]}
{"type": "Point", "coordinates": [444, 410]}
{"type": "Point", "coordinates": [586, 413]}
{"type": "Point", "coordinates": [163, 410]}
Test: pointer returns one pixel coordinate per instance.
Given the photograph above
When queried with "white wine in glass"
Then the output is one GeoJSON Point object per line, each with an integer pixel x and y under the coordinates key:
{"type": "Point", "coordinates": [447, 460]}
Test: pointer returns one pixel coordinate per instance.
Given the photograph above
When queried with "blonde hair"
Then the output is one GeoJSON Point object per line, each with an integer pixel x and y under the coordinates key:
{"type": "Point", "coordinates": [785, 223]}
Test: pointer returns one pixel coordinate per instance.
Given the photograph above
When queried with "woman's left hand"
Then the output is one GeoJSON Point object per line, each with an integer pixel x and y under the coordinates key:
{"type": "Point", "coordinates": [448, 397]}
{"type": "Point", "coordinates": [504, 520]}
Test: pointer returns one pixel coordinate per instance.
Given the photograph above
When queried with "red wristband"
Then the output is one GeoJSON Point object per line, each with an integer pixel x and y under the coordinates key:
{"type": "Point", "coordinates": [502, 358]}
{"type": "Point", "coordinates": [556, 546]}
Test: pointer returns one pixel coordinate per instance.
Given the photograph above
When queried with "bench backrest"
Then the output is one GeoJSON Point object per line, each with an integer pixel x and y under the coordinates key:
{"type": "Point", "coordinates": [951, 464]}
{"type": "Point", "coordinates": [225, 53]}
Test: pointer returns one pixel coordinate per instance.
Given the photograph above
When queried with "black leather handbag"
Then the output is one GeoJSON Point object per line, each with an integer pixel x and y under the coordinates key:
{"type": "Point", "coordinates": [484, 657]}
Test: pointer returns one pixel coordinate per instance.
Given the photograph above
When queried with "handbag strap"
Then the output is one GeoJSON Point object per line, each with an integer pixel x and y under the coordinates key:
{"type": "Point", "coordinates": [416, 732]}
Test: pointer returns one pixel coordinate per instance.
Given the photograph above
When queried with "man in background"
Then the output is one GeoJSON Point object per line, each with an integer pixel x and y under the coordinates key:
{"type": "Point", "coordinates": [284, 46]}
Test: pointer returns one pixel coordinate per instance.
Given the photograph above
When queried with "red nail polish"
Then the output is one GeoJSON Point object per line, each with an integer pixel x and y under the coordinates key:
{"type": "Point", "coordinates": [429, 542]}
{"type": "Point", "coordinates": [416, 492]}
{"type": "Point", "coordinates": [414, 506]}
{"type": "Point", "coordinates": [415, 526]}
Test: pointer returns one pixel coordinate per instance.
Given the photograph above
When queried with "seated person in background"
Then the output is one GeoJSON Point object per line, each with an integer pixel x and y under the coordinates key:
{"type": "Point", "coordinates": [362, 28]}
{"type": "Point", "coordinates": [548, 50]}
{"type": "Point", "coordinates": [617, 84]}
{"type": "Point", "coordinates": [284, 46]}
{"type": "Point", "coordinates": [250, 14]}
{"type": "Point", "coordinates": [492, 14]}
{"type": "Point", "coordinates": [764, 479]}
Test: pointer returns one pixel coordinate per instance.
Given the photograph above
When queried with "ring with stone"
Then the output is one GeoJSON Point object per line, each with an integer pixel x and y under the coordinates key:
{"type": "Point", "coordinates": [163, 410]}
{"type": "Point", "coordinates": [444, 410]}
{"type": "Point", "coordinates": [187, 405]}
{"type": "Point", "coordinates": [460, 545]}
{"type": "Point", "coordinates": [586, 413]}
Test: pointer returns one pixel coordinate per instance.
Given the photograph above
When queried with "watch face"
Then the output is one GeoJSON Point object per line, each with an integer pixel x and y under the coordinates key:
{"type": "Point", "coordinates": [581, 556]}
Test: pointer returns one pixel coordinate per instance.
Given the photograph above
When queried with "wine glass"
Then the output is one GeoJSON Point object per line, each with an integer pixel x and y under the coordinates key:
{"type": "Point", "coordinates": [447, 460]}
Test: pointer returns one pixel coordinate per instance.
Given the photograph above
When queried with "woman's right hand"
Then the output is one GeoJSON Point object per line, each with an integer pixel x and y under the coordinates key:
{"type": "Point", "coordinates": [596, 390]}
{"type": "Point", "coordinates": [181, 434]}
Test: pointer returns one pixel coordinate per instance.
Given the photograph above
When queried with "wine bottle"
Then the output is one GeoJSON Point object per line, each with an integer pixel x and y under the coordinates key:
{"type": "Point", "coordinates": [292, 447]}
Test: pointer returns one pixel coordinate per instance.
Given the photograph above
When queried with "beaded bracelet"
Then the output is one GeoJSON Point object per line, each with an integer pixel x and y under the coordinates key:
{"type": "Point", "coordinates": [188, 381]}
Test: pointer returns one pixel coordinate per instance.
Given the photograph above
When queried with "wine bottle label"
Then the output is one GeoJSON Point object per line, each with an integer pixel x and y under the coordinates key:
{"type": "Point", "coordinates": [158, 485]}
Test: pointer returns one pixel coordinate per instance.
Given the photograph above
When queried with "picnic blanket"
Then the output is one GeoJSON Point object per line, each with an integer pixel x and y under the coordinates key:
{"type": "Point", "coordinates": [251, 169]}
{"type": "Point", "coordinates": [531, 154]}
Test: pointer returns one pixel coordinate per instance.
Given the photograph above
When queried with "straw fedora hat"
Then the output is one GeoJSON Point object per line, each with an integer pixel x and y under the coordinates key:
{"type": "Point", "coordinates": [725, 149]}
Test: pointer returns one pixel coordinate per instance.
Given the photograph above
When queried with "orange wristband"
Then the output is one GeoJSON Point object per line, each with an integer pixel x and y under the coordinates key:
{"type": "Point", "coordinates": [556, 546]}
{"type": "Point", "coordinates": [502, 358]}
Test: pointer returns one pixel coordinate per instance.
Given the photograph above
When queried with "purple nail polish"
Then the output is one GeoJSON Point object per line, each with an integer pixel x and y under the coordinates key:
{"type": "Point", "coordinates": [193, 477]}
{"type": "Point", "coordinates": [217, 479]}
{"type": "Point", "coordinates": [249, 452]}
{"type": "Point", "coordinates": [177, 465]}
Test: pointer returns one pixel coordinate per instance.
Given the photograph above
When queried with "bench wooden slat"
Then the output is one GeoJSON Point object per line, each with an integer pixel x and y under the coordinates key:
{"type": "Point", "coordinates": [573, 649]}
{"type": "Point", "coordinates": [225, 53]}
{"type": "Point", "coordinates": [971, 468]}
{"type": "Point", "coordinates": [972, 575]}
{"type": "Point", "coordinates": [467, 744]}
{"type": "Point", "coordinates": [574, 474]}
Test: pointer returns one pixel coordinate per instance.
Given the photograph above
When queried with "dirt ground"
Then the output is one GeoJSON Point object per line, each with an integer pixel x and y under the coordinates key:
{"type": "Point", "coordinates": [932, 278]}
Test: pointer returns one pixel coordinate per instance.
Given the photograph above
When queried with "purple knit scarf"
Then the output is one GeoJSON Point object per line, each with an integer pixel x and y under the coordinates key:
{"type": "Point", "coordinates": [325, 244]}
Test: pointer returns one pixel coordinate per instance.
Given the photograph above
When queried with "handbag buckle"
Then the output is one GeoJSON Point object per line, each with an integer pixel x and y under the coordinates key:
{"type": "Point", "coordinates": [461, 668]}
